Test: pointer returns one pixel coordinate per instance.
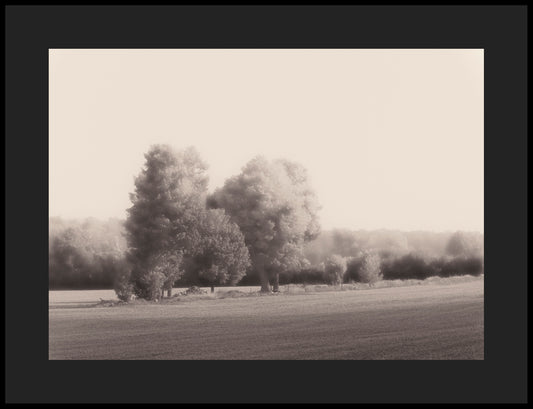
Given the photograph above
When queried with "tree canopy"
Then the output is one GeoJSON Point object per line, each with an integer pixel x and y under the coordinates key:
{"type": "Point", "coordinates": [276, 210]}
{"type": "Point", "coordinates": [221, 256]}
{"type": "Point", "coordinates": [85, 253]}
{"type": "Point", "coordinates": [335, 268]}
{"type": "Point", "coordinates": [465, 244]}
{"type": "Point", "coordinates": [168, 200]}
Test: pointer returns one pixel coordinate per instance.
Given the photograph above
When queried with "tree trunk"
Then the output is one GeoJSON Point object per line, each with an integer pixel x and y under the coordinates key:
{"type": "Point", "coordinates": [212, 289]}
{"type": "Point", "coordinates": [265, 283]}
{"type": "Point", "coordinates": [276, 283]}
{"type": "Point", "coordinates": [169, 292]}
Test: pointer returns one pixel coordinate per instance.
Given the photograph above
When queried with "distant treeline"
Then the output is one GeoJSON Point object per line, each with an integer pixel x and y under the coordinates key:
{"type": "Point", "coordinates": [85, 254]}
{"type": "Point", "coordinates": [89, 254]}
{"type": "Point", "coordinates": [388, 243]}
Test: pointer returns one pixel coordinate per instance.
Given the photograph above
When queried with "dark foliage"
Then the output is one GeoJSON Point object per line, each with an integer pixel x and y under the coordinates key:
{"type": "Point", "coordinates": [85, 254]}
{"type": "Point", "coordinates": [407, 267]}
{"type": "Point", "coordinates": [453, 266]}
{"type": "Point", "coordinates": [305, 276]}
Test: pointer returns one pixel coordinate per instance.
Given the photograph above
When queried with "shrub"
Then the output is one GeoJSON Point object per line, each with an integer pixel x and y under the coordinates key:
{"type": "Point", "coordinates": [370, 270]}
{"type": "Point", "coordinates": [470, 265]}
{"type": "Point", "coordinates": [365, 268]}
{"type": "Point", "coordinates": [454, 266]}
{"type": "Point", "coordinates": [313, 275]}
{"type": "Point", "coordinates": [194, 290]}
{"type": "Point", "coordinates": [415, 267]}
{"type": "Point", "coordinates": [123, 287]}
{"type": "Point", "coordinates": [232, 294]}
{"type": "Point", "coordinates": [406, 267]}
{"type": "Point", "coordinates": [335, 268]}
{"type": "Point", "coordinates": [353, 266]}
{"type": "Point", "coordinates": [150, 285]}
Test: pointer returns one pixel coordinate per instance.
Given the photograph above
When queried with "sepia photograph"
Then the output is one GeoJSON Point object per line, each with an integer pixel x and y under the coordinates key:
{"type": "Point", "coordinates": [266, 204]}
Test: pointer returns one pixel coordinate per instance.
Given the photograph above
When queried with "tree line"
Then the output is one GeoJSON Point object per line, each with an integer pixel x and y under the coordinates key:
{"type": "Point", "coordinates": [260, 227]}
{"type": "Point", "coordinates": [84, 254]}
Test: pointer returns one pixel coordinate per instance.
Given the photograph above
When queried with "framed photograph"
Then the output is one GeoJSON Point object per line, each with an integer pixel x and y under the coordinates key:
{"type": "Point", "coordinates": [257, 203]}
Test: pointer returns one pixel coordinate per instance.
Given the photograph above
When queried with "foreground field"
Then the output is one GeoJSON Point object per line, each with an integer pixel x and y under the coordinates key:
{"type": "Point", "coordinates": [413, 322]}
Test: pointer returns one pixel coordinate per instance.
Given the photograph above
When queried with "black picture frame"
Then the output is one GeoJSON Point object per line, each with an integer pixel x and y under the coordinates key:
{"type": "Point", "coordinates": [500, 30]}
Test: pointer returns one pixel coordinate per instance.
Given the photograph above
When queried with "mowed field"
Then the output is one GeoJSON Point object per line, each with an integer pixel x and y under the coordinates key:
{"type": "Point", "coordinates": [435, 321]}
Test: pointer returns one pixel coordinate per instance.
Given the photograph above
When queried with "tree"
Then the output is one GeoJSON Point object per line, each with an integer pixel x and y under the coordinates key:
{"type": "Point", "coordinates": [169, 264]}
{"type": "Point", "coordinates": [222, 256]}
{"type": "Point", "coordinates": [410, 266]}
{"type": "Point", "coordinates": [335, 268]}
{"type": "Point", "coordinates": [276, 210]}
{"type": "Point", "coordinates": [70, 258]}
{"type": "Point", "coordinates": [465, 244]}
{"type": "Point", "coordinates": [370, 270]}
{"type": "Point", "coordinates": [123, 286]}
{"type": "Point", "coordinates": [149, 285]}
{"type": "Point", "coordinates": [85, 253]}
{"type": "Point", "coordinates": [169, 196]}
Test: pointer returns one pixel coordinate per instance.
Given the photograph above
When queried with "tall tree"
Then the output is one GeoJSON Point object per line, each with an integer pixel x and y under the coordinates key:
{"type": "Point", "coordinates": [169, 196]}
{"type": "Point", "coordinates": [276, 210]}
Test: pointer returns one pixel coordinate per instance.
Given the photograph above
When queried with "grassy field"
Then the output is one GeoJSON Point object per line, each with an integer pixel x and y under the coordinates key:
{"type": "Point", "coordinates": [442, 319]}
{"type": "Point", "coordinates": [87, 297]}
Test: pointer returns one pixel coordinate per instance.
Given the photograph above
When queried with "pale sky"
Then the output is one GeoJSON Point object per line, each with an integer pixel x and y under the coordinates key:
{"type": "Point", "coordinates": [392, 139]}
